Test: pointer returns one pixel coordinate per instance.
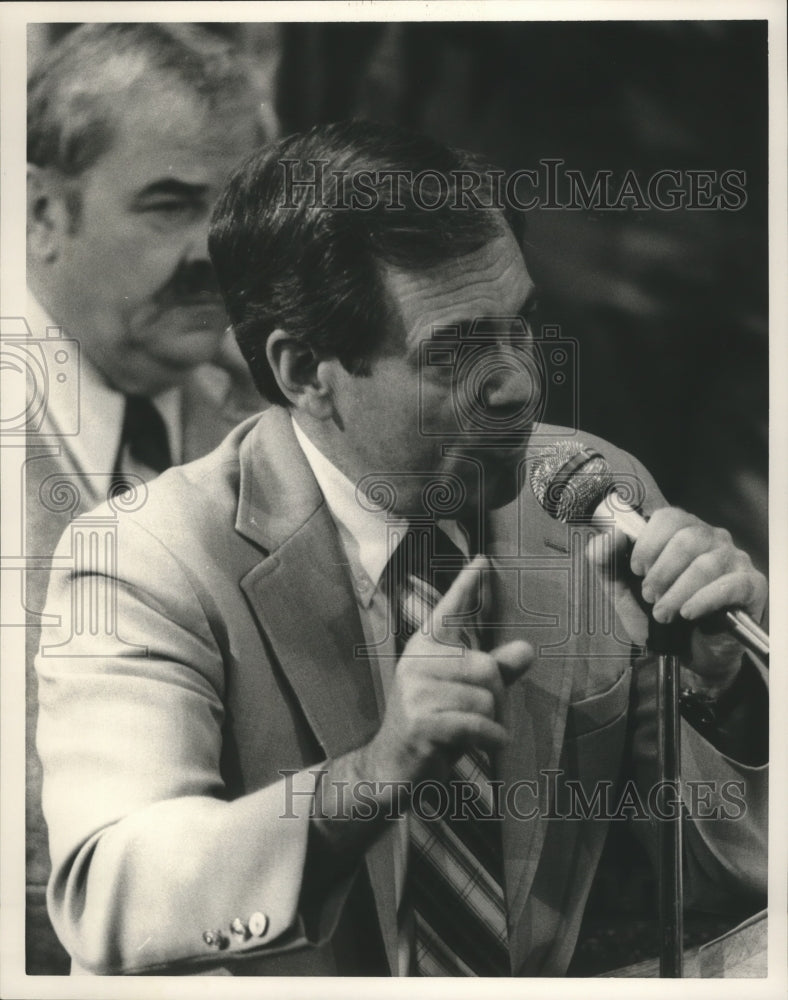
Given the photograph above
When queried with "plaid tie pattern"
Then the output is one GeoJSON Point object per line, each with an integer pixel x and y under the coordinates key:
{"type": "Point", "coordinates": [455, 863]}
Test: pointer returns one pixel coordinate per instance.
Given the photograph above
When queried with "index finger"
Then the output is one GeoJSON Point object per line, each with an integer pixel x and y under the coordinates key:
{"type": "Point", "coordinates": [459, 600]}
{"type": "Point", "coordinates": [662, 526]}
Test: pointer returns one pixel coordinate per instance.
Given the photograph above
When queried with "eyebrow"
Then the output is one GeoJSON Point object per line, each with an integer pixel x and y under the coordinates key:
{"type": "Point", "coordinates": [168, 187]}
{"type": "Point", "coordinates": [529, 302]}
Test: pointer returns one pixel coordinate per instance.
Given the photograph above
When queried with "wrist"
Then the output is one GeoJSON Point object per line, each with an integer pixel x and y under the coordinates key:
{"type": "Point", "coordinates": [736, 721]}
{"type": "Point", "coordinates": [354, 793]}
{"type": "Point", "coordinates": [708, 687]}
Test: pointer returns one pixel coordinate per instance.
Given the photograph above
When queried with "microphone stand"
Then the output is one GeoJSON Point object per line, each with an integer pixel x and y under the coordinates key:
{"type": "Point", "coordinates": [667, 641]}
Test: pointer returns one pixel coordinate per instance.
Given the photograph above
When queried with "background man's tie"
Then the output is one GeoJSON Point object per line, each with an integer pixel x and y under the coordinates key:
{"type": "Point", "coordinates": [144, 433]}
{"type": "Point", "coordinates": [455, 870]}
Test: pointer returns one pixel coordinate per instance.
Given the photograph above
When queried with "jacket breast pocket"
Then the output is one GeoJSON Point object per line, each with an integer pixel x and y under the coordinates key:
{"type": "Point", "coordinates": [588, 715]}
{"type": "Point", "coordinates": [591, 755]}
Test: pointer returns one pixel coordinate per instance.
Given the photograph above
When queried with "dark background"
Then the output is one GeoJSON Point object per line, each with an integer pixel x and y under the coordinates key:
{"type": "Point", "coordinates": [669, 308]}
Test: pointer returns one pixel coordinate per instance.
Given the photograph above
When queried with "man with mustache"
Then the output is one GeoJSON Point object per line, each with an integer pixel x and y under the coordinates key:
{"type": "Point", "coordinates": [353, 599]}
{"type": "Point", "coordinates": [132, 129]}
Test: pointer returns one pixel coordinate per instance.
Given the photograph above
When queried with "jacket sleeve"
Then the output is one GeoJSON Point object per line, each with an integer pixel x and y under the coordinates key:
{"type": "Point", "coordinates": [147, 851]}
{"type": "Point", "coordinates": [725, 800]}
{"type": "Point", "coordinates": [725, 809]}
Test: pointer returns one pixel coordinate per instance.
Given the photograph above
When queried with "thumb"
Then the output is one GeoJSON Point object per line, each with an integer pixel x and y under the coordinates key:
{"type": "Point", "coordinates": [513, 659]}
{"type": "Point", "coordinates": [459, 599]}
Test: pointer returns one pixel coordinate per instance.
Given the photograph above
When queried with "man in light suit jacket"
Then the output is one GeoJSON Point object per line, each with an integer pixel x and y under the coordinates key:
{"type": "Point", "coordinates": [235, 728]}
{"type": "Point", "coordinates": [132, 129]}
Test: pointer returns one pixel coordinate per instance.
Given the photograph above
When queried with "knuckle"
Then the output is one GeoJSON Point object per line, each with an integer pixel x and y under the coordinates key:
{"type": "Point", "coordinates": [418, 691]}
{"type": "Point", "coordinates": [709, 562]}
{"type": "Point", "coordinates": [671, 516]}
{"type": "Point", "coordinates": [478, 726]}
{"type": "Point", "coordinates": [483, 666]}
{"type": "Point", "coordinates": [742, 561]}
{"type": "Point", "coordinates": [687, 536]}
{"type": "Point", "coordinates": [412, 706]}
{"type": "Point", "coordinates": [657, 577]}
{"type": "Point", "coordinates": [407, 673]}
{"type": "Point", "coordinates": [486, 703]}
{"type": "Point", "coordinates": [661, 516]}
{"type": "Point", "coordinates": [758, 582]}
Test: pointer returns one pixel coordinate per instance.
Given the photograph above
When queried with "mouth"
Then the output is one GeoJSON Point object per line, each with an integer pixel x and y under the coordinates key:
{"type": "Point", "coordinates": [510, 445]}
{"type": "Point", "coordinates": [197, 300]}
{"type": "Point", "coordinates": [174, 365]}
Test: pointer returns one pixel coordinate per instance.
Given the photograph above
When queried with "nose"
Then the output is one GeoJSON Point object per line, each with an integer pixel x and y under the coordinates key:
{"type": "Point", "coordinates": [512, 384]}
{"type": "Point", "coordinates": [194, 273]}
{"type": "Point", "coordinates": [196, 245]}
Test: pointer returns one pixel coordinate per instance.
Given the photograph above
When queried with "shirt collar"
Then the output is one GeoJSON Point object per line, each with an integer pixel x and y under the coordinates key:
{"type": "Point", "coordinates": [368, 533]}
{"type": "Point", "coordinates": [100, 407]}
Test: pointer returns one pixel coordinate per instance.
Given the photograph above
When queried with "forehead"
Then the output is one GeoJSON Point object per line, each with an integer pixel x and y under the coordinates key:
{"type": "Point", "coordinates": [163, 133]}
{"type": "Point", "coordinates": [492, 281]}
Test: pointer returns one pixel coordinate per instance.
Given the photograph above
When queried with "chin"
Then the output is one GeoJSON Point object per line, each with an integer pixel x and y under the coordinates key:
{"type": "Point", "coordinates": [158, 383]}
{"type": "Point", "coordinates": [498, 477]}
{"type": "Point", "coordinates": [202, 319]}
{"type": "Point", "coordinates": [501, 488]}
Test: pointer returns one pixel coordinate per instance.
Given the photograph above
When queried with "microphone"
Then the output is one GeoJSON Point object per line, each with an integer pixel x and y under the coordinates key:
{"type": "Point", "coordinates": [573, 483]}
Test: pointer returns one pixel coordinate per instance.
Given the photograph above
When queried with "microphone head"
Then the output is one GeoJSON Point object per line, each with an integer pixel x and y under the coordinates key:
{"type": "Point", "coordinates": [570, 480]}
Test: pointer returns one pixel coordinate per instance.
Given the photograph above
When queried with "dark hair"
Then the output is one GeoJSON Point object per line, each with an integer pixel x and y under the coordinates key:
{"type": "Point", "coordinates": [74, 94]}
{"type": "Point", "coordinates": [306, 257]}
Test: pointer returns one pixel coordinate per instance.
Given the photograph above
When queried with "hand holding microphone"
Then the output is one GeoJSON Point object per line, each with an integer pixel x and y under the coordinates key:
{"type": "Point", "coordinates": [689, 569]}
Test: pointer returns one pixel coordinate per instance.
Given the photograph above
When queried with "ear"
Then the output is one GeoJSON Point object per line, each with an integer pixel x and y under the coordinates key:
{"type": "Point", "coordinates": [48, 219]}
{"type": "Point", "coordinates": [300, 375]}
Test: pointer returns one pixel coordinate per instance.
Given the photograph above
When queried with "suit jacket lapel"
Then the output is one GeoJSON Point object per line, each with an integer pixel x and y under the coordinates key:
{"type": "Point", "coordinates": [301, 595]}
{"type": "Point", "coordinates": [303, 600]}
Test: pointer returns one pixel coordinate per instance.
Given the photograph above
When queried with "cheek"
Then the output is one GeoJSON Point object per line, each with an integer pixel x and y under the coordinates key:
{"type": "Point", "coordinates": [434, 408]}
{"type": "Point", "coordinates": [133, 256]}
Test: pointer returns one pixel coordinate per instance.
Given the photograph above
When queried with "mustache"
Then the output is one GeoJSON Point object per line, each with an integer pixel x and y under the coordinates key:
{"type": "Point", "coordinates": [191, 279]}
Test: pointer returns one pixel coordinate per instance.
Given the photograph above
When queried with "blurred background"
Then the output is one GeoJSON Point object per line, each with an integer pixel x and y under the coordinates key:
{"type": "Point", "coordinates": [669, 309]}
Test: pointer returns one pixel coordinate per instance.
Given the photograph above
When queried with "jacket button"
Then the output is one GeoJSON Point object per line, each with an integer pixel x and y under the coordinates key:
{"type": "Point", "coordinates": [214, 939]}
{"type": "Point", "coordinates": [258, 924]}
{"type": "Point", "coordinates": [238, 928]}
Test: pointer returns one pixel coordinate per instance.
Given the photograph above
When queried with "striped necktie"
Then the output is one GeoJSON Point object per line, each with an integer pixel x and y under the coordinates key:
{"type": "Point", "coordinates": [455, 866]}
